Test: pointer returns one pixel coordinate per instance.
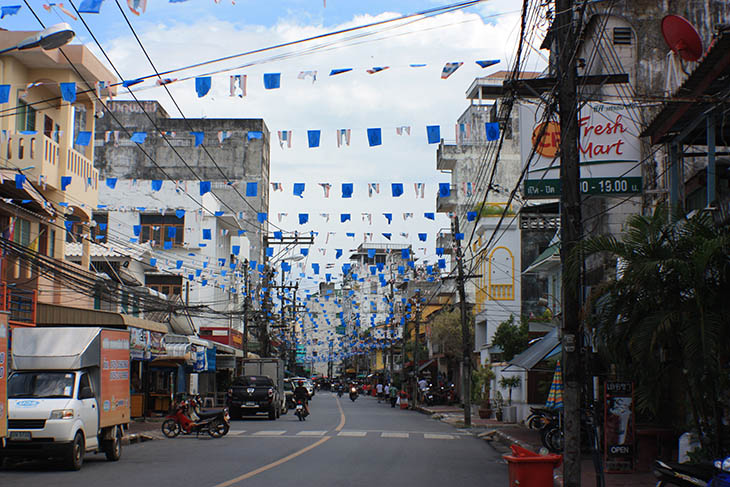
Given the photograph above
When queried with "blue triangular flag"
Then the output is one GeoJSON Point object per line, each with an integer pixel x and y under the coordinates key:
{"type": "Point", "coordinates": [171, 232]}
{"type": "Point", "coordinates": [471, 216]}
{"type": "Point", "coordinates": [458, 236]}
{"type": "Point", "coordinates": [303, 218]}
{"type": "Point", "coordinates": [202, 86]}
{"type": "Point", "coordinates": [19, 180]}
{"type": "Point", "coordinates": [492, 130]}
{"type": "Point", "coordinates": [439, 251]}
{"type": "Point", "coordinates": [90, 6]}
{"type": "Point", "coordinates": [65, 181]}
{"type": "Point", "coordinates": [339, 71]}
{"type": "Point", "coordinates": [344, 217]}
{"type": "Point", "coordinates": [375, 137]}
{"type": "Point", "coordinates": [156, 184]}
{"type": "Point", "coordinates": [338, 253]}
{"type": "Point", "coordinates": [444, 190]}
{"type": "Point", "coordinates": [254, 134]}
{"type": "Point", "coordinates": [422, 237]}
{"type": "Point", "coordinates": [68, 92]}
{"type": "Point", "coordinates": [347, 189]}
{"type": "Point", "coordinates": [488, 62]}
{"type": "Point", "coordinates": [397, 189]}
{"type": "Point", "coordinates": [313, 138]}
{"type": "Point", "coordinates": [433, 132]}
{"type": "Point", "coordinates": [4, 93]}
{"type": "Point", "coordinates": [180, 213]}
{"type": "Point", "coordinates": [136, 229]}
{"type": "Point", "coordinates": [299, 189]}
{"type": "Point", "coordinates": [204, 187]}
{"type": "Point", "coordinates": [387, 235]}
{"type": "Point", "coordinates": [199, 137]}
{"type": "Point", "coordinates": [167, 245]}
{"type": "Point", "coordinates": [261, 217]}
{"type": "Point", "coordinates": [83, 138]}
{"type": "Point", "coordinates": [138, 137]}
{"type": "Point", "coordinates": [252, 189]}
{"type": "Point", "coordinates": [207, 234]}
{"type": "Point", "coordinates": [405, 254]}
{"type": "Point", "coordinates": [389, 217]}
{"type": "Point", "coordinates": [429, 215]}
{"type": "Point", "coordinates": [272, 81]}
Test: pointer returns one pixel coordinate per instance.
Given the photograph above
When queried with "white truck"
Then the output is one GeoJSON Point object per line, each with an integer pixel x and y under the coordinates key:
{"type": "Point", "coordinates": [68, 393]}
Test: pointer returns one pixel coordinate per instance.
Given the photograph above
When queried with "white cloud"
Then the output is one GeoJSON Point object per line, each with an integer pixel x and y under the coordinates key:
{"type": "Point", "coordinates": [356, 100]}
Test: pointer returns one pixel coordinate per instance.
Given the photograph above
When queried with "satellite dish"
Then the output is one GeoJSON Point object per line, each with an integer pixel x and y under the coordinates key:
{"type": "Point", "coordinates": [681, 37]}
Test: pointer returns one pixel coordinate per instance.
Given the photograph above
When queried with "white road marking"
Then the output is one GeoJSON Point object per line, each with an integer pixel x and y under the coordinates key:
{"type": "Point", "coordinates": [311, 433]}
{"type": "Point", "coordinates": [237, 433]}
{"type": "Point", "coordinates": [353, 434]}
{"type": "Point", "coordinates": [393, 435]}
{"type": "Point", "coordinates": [435, 436]}
{"type": "Point", "coordinates": [269, 433]}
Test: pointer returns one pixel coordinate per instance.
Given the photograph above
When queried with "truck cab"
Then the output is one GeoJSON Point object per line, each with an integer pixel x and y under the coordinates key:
{"type": "Point", "coordinates": [60, 412]}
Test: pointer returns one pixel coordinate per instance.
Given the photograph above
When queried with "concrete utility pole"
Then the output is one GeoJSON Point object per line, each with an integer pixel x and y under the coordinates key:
{"type": "Point", "coordinates": [392, 318]}
{"type": "Point", "coordinates": [415, 348]}
{"type": "Point", "coordinates": [465, 336]}
{"type": "Point", "coordinates": [246, 306]}
{"type": "Point", "coordinates": [565, 28]}
{"type": "Point", "coordinates": [265, 339]}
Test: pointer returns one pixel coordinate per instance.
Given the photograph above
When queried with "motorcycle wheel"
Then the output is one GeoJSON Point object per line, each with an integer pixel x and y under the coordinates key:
{"type": "Point", "coordinates": [170, 428]}
{"type": "Point", "coordinates": [535, 422]}
{"type": "Point", "coordinates": [218, 428]}
{"type": "Point", "coordinates": [554, 440]}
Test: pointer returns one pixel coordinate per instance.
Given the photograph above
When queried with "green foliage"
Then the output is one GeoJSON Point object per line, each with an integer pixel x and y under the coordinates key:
{"type": "Point", "coordinates": [480, 379]}
{"type": "Point", "coordinates": [446, 332]}
{"type": "Point", "coordinates": [510, 383]}
{"type": "Point", "coordinates": [664, 321]}
{"type": "Point", "coordinates": [512, 338]}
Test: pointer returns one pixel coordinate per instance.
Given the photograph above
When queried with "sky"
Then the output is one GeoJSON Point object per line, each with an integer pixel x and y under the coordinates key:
{"type": "Point", "coordinates": [180, 34]}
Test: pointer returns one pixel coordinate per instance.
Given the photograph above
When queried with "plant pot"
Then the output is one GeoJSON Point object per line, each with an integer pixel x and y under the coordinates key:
{"type": "Point", "coordinates": [499, 415]}
{"type": "Point", "coordinates": [485, 412]}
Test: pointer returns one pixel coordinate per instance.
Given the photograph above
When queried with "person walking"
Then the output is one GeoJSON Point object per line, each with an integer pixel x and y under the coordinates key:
{"type": "Point", "coordinates": [386, 392]}
{"type": "Point", "coordinates": [393, 395]}
{"type": "Point", "coordinates": [379, 390]}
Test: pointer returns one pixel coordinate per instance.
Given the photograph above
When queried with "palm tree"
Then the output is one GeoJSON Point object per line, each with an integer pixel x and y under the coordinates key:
{"type": "Point", "coordinates": [668, 306]}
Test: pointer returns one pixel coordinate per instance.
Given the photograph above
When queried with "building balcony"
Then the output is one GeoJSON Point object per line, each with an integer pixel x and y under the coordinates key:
{"type": "Point", "coordinates": [446, 204]}
{"type": "Point", "coordinates": [84, 186]}
{"type": "Point", "coordinates": [35, 154]}
{"type": "Point", "coordinates": [20, 303]}
{"type": "Point", "coordinates": [445, 160]}
{"type": "Point", "coordinates": [445, 241]}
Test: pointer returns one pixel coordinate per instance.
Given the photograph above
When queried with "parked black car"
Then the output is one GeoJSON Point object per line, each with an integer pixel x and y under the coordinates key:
{"type": "Point", "coordinates": [252, 394]}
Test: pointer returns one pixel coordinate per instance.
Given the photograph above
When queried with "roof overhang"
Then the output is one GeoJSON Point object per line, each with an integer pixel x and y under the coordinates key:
{"type": "Point", "coordinates": [538, 352]}
{"type": "Point", "coordinates": [57, 315]}
{"type": "Point", "coordinates": [27, 195]}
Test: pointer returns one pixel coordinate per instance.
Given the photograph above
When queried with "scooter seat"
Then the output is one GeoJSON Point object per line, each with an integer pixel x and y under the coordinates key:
{"type": "Point", "coordinates": [702, 471]}
{"type": "Point", "coordinates": [210, 413]}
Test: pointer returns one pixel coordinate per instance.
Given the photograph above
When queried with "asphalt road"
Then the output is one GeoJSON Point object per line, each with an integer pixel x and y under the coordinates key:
{"type": "Point", "coordinates": [341, 443]}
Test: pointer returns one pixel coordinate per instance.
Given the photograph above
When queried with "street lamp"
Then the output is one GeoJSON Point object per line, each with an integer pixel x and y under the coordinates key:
{"type": "Point", "coordinates": [51, 38]}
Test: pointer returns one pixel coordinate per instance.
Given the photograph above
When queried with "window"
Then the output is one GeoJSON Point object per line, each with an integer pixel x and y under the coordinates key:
{"type": "Point", "coordinates": [84, 382]}
{"type": "Point", "coordinates": [76, 234]}
{"type": "Point", "coordinates": [168, 285]}
{"type": "Point", "coordinates": [79, 126]}
{"type": "Point", "coordinates": [25, 116]}
{"type": "Point", "coordinates": [99, 232]}
{"type": "Point", "coordinates": [158, 229]}
{"type": "Point", "coordinates": [21, 233]}
{"type": "Point", "coordinates": [43, 239]}
{"type": "Point", "coordinates": [52, 244]}
{"type": "Point", "coordinates": [622, 35]}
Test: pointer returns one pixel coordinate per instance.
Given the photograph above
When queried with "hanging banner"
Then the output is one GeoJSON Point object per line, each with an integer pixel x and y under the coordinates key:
{"type": "Point", "coordinates": [609, 151]}
{"type": "Point", "coordinates": [619, 426]}
{"type": "Point", "coordinates": [4, 360]}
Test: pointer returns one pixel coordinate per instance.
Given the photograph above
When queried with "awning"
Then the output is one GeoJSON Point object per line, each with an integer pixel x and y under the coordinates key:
{"type": "Point", "coordinates": [538, 352]}
{"type": "Point", "coordinates": [57, 315]}
{"type": "Point", "coordinates": [28, 192]}
{"type": "Point", "coordinates": [425, 364]}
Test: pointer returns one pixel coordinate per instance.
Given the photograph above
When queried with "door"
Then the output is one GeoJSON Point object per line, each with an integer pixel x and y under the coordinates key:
{"type": "Point", "coordinates": [89, 412]}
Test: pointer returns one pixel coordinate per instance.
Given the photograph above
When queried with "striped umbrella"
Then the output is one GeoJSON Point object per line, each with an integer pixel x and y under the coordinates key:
{"type": "Point", "coordinates": [555, 396]}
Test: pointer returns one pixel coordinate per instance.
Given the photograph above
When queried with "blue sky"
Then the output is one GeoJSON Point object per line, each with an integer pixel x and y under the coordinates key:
{"type": "Point", "coordinates": [183, 33]}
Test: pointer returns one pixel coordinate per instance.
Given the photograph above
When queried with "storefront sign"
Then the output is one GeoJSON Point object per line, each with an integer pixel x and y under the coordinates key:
{"type": "Point", "coordinates": [157, 345]}
{"type": "Point", "coordinates": [139, 344]}
{"type": "Point", "coordinates": [4, 360]}
{"type": "Point", "coordinates": [609, 151]}
{"type": "Point", "coordinates": [200, 358]}
{"type": "Point", "coordinates": [619, 426]}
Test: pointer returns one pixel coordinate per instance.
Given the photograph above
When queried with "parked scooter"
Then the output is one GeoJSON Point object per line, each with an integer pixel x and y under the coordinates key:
{"type": "Point", "coordinates": [693, 475]}
{"type": "Point", "coordinates": [221, 418]}
{"type": "Point", "coordinates": [353, 393]}
{"type": "Point", "coordinates": [181, 422]}
{"type": "Point", "coordinates": [539, 417]}
{"type": "Point", "coordinates": [300, 411]}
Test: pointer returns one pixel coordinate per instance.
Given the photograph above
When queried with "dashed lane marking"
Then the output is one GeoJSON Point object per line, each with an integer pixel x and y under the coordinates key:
{"type": "Point", "coordinates": [311, 433]}
{"type": "Point", "coordinates": [435, 436]}
{"type": "Point", "coordinates": [269, 433]}
{"type": "Point", "coordinates": [353, 434]}
{"type": "Point", "coordinates": [393, 435]}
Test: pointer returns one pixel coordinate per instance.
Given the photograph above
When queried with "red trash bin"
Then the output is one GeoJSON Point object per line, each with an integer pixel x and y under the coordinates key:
{"type": "Point", "coordinates": [529, 469]}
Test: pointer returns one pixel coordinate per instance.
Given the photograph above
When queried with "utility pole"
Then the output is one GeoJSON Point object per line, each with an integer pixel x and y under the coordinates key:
{"type": "Point", "coordinates": [465, 337]}
{"type": "Point", "coordinates": [246, 305]}
{"type": "Point", "coordinates": [265, 340]}
{"type": "Point", "coordinates": [392, 318]}
{"type": "Point", "coordinates": [565, 30]}
{"type": "Point", "coordinates": [415, 348]}
{"type": "Point", "coordinates": [293, 348]}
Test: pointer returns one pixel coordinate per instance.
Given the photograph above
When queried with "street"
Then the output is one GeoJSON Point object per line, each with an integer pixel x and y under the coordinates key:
{"type": "Point", "coordinates": [361, 443]}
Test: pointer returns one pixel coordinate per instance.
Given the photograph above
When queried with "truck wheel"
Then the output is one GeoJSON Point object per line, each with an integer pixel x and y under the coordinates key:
{"type": "Point", "coordinates": [272, 412]}
{"type": "Point", "coordinates": [113, 447]}
{"type": "Point", "coordinates": [74, 457]}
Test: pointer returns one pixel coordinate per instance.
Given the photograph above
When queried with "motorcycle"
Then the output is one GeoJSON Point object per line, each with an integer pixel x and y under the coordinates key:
{"type": "Point", "coordinates": [428, 397]}
{"type": "Point", "coordinates": [340, 390]}
{"type": "Point", "coordinates": [539, 417]}
{"type": "Point", "coordinates": [693, 475]}
{"type": "Point", "coordinates": [353, 393]}
{"type": "Point", "coordinates": [220, 417]}
{"type": "Point", "coordinates": [300, 412]}
{"type": "Point", "coordinates": [181, 422]}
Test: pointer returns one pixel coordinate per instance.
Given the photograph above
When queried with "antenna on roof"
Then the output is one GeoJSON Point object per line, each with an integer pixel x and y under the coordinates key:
{"type": "Point", "coordinates": [684, 43]}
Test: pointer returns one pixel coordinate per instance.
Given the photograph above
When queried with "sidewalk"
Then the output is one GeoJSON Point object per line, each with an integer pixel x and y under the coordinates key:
{"type": "Point", "coordinates": [140, 431]}
{"type": "Point", "coordinates": [507, 434]}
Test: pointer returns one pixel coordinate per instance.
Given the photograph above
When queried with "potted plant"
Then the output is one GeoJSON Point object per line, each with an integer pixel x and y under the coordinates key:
{"type": "Point", "coordinates": [482, 378]}
{"type": "Point", "coordinates": [499, 402]}
{"type": "Point", "coordinates": [509, 413]}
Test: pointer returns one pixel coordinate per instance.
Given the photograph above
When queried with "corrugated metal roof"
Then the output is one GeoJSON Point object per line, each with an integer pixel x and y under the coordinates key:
{"type": "Point", "coordinates": [537, 352]}
{"type": "Point", "coordinates": [76, 249]}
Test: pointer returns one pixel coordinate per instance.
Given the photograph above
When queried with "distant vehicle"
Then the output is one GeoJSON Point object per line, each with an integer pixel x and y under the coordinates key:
{"type": "Point", "coordinates": [253, 394]}
{"type": "Point", "coordinates": [69, 393]}
{"type": "Point", "coordinates": [307, 383]}
{"type": "Point", "coordinates": [272, 368]}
